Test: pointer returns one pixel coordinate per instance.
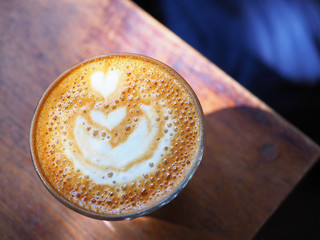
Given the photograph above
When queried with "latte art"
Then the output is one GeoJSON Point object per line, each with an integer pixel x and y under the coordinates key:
{"type": "Point", "coordinates": [99, 154]}
{"type": "Point", "coordinates": [117, 134]}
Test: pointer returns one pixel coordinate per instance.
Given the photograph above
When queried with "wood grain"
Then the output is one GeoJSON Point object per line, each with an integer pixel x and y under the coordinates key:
{"type": "Point", "coordinates": [253, 157]}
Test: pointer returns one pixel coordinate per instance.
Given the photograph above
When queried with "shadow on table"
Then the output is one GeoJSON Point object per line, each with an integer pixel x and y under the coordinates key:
{"type": "Point", "coordinates": [252, 161]}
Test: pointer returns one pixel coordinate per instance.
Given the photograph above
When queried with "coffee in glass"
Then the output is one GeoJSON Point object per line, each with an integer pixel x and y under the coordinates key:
{"type": "Point", "coordinates": [117, 136]}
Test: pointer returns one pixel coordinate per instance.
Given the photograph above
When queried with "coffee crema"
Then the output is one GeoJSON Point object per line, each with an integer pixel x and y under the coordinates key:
{"type": "Point", "coordinates": [117, 135]}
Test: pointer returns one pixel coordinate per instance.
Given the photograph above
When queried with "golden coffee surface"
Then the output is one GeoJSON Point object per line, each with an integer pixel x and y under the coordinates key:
{"type": "Point", "coordinates": [116, 134]}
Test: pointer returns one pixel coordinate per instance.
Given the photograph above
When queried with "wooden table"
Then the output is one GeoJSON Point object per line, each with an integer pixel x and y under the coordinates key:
{"type": "Point", "coordinates": [253, 157]}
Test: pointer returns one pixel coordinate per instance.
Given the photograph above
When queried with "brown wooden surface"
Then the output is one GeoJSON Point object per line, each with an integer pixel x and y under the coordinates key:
{"type": "Point", "coordinates": [253, 158]}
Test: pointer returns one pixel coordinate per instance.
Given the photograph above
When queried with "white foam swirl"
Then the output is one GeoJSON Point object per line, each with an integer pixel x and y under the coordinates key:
{"type": "Point", "coordinates": [98, 156]}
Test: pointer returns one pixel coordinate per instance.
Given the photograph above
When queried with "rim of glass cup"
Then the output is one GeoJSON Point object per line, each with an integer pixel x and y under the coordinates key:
{"type": "Point", "coordinates": [149, 209]}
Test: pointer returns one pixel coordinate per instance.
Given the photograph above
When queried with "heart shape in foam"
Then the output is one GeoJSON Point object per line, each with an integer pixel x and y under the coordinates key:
{"type": "Point", "coordinates": [105, 83]}
{"type": "Point", "coordinates": [114, 118]}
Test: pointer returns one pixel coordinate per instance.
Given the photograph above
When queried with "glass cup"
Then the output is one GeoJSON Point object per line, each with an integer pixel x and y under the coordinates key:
{"type": "Point", "coordinates": [150, 209]}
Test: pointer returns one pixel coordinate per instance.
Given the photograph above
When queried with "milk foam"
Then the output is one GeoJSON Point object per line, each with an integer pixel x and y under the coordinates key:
{"type": "Point", "coordinates": [105, 84]}
{"type": "Point", "coordinates": [127, 160]}
{"type": "Point", "coordinates": [110, 121]}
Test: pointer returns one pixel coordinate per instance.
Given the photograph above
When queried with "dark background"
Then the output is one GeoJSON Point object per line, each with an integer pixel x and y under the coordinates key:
{"type": "Point", "coordinates": [273, 49]}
